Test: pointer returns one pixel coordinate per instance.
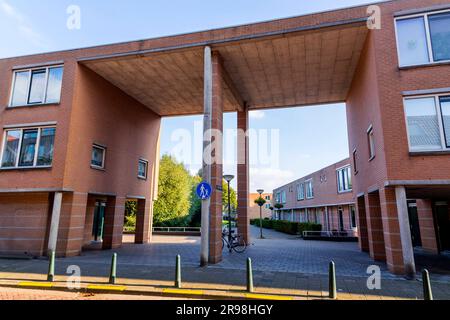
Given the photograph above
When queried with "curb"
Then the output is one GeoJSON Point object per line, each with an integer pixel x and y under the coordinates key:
{"type": "Point", "coordinates": [147, 291]}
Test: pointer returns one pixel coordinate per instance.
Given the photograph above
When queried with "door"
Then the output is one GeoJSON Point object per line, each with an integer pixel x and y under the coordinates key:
{"type": "Point", "coordinates": [443, 226]}
{"type": "Point", "coordinates": [99, 220]}
{"type": "Point", "coordinates": [341, 219]}
{"type": "Point", "coordinates": [414, 225]}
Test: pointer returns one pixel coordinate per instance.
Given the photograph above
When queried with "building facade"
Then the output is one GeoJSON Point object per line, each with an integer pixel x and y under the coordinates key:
{"type": "Point", "coordinates": [81, 127]}
{"type": "Point", "coordinates": [253, 208]}
{"type": "Point", "coordinates": [324, 197]}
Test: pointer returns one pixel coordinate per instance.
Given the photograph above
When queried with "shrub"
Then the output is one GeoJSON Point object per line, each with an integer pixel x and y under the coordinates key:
{"type": "Point", "coordinates": [287, 226]}
{"type": "Point", "coordinates": [266, 223]}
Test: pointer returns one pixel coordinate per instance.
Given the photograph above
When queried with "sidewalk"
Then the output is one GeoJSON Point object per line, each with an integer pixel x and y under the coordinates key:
{"type": "Point", "coordinates": [210, 283]}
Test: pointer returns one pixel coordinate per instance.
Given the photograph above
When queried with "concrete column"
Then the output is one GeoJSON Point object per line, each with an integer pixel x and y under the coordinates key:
{"type": "Point", "coordinates": [113, 226]}
{"type": "Point", "coordinates": [426, 225]}
{"type": "Point", "coordinates": [54, 224]}
{"type": "Point", "coordinates": [212, 156]}
{"type": "Point", "coordinates": [363, 235]}
{"type": "Point", "coordinates": [143, 222]}
{"type": "Point", "coordinates": [243, 174]}
{"type": "Point", "coordinates": [375, 227]}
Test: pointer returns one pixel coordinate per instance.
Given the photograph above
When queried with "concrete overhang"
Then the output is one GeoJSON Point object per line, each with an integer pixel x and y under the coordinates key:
{"type": "Point", "coordinates": [301, 66]}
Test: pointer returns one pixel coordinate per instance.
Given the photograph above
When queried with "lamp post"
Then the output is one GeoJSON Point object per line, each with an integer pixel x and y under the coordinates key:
{"type": "Point", "coordinates": [260, 191]}
{"type": "Point", "coordinates": [228, 179]}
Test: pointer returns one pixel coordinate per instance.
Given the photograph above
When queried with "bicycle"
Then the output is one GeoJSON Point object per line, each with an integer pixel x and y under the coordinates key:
{"type": "Point", "coordinates": [237, 242]}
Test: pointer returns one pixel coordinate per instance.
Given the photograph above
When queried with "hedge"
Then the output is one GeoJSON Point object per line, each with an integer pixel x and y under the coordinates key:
{"type": "Point", "coordinates": [288, 226]}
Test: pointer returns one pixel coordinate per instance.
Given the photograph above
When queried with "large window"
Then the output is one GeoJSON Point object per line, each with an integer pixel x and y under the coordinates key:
{"type": "Point", "coordinates": [309, 189]}
{"type": "Point", "coordinates": [423, 38]}
{"type": "Point", "coordinates": [36, 86]}
{"type": "Point", "coordinates": [344, 179]}
{"type": "Point", "coordinates": [301, 191]}
{"type": "Point", "coordinates": [428, 122]}
{"type": "Point", "coordinates": [28, 147]}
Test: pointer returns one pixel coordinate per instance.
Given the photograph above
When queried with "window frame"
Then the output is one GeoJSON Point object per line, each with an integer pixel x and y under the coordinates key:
{"type": "Point", "coordinates": [338, 170]}
{"type": "Point", "coordinates": [99, 146]}
{"type": "Point", "coordinates": [19, 147]}
{"type": "Point", "coordinates": [425, 16]}
{"type": "Point", "coordinates": [437, 106]}
{"type": "Point", "coordinates": [30, 73]}
{"type": "Point", "coordinates": [371, 143]}
{"type": "Point", "coordinates": [309, 182]}
{"type": "Point", "coordinates": [355, 160]}
{"type": "Point", "coordinates": [301, 186]}
{"type": "Point", "coordinates": [141, 160]}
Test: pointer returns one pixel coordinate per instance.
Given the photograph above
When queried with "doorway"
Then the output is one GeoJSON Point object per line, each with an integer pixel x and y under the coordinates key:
{"type": "Point", "coordinates": [414, 225]}
{"type": "Point", "coordinates": [341, 219]}
{"type": "Point", "coordinates": [99, 221]}
{"type": "Point", "coordinates": [442, 218]}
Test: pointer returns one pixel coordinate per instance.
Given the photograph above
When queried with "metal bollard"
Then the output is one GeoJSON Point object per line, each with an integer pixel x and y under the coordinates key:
{"type": "Point", "coordinates": [249, 275]}
{"type": "Point", "coordinates": [112, 274]}
{"type": "Point", "coordinates": [51, 267]}
{"type": "Point", "coordinates": [427, 293]}
{"type": "Point", "coordinates": [332, 281]}
{"type": "Point", "coordinates": [178, 272]}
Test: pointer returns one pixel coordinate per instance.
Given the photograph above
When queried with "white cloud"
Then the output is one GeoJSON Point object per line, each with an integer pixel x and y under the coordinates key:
{"type": "Point", "coordinates": [23, 26]}
{"type": "Point", "coordinates": [269, 179]}
{"type": "Point", "coordinates": [257, 114]}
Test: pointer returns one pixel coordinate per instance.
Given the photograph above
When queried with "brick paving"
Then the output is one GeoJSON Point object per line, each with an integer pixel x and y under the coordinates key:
{"type": "Point", "coordinates": [282, 264]}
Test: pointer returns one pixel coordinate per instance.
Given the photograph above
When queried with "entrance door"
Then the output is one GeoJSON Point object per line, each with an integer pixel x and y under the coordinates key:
{"type": "Point", "coordinates": [99, 220]}
{"type": "Point", "coordinates": [341, 219]}
{"type": "Point", "coordinates": [443, 226]}
{"type": "Point", "coordinates": [414, 225]}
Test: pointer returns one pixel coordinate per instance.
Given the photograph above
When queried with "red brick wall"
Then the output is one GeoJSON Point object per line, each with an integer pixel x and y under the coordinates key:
{"type": "Point", "coordinates": [23, 223]}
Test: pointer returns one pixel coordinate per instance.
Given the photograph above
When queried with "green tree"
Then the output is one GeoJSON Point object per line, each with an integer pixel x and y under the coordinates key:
{"type": "Point", "coordinates": [174, 194]}
{"type": "Point", "coordinates": [233, 198]}
{"type": "Point", "coordinates": [195, 211]}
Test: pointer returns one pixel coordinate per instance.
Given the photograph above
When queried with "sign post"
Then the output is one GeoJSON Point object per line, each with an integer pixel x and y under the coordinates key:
{"type": "Point", "coordinates": [204, 191]}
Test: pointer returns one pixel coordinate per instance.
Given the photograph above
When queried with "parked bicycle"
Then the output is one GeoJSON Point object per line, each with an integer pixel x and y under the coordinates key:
{"type": "Point", "coordinates": [237, 242]}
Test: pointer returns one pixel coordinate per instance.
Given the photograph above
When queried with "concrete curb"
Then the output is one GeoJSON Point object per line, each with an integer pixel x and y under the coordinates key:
{"type": "Point", "coordinates": [146, 291]}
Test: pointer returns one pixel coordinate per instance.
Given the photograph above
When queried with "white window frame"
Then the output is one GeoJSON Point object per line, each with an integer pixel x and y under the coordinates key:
{"type": "Point", "coordinates": [301, 186]}
{"type": "Point", "coordinates": [338, 170]}
{"type": "Point", "coordinates": [98, 146]}
{"type": "Point", "coordinates": [425, 16]}
{"type": "Point", "coordinates": [307, 183]}
{"type": "Point", "coordinates": [283, 197]}
{"type": "Point", "coordinates": [146, 169]}
{"type": "Point", "coordinates": [437, 105]}
{"type": "Point", "coordinates": [19, 147]}
{"type": "Point", "coordinates": [30, 72]}
{"type": "Point", "coordinates": [371, 143]}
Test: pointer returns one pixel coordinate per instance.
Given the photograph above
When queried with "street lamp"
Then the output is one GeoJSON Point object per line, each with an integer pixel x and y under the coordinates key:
{"type": "Point", "coordinates": [228, 178]}
{"type": "Point", "coordinates": [260, 191]}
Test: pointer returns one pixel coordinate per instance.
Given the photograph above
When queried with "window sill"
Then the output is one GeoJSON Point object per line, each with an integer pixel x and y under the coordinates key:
{"type": "Point", "coordinates": [26, 168]}
{"type": "Point", "coordinates": [142, 178]}
{"type": "Point", "coordinates": [429, 153]}
{"type": "Point", "coordinates": [424, 65]}
{"type": "Point", "coordinates": [55, 104]}
{"type": "Point", "coordinates": [98, 168]}
{"type": "Point", "coordinates": [346, 191]}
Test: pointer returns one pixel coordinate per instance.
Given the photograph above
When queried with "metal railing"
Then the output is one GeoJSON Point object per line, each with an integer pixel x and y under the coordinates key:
{"type": "Point", "coordinates": [330, 234]}
{"type": "Point", "coordinates": [176, 229]}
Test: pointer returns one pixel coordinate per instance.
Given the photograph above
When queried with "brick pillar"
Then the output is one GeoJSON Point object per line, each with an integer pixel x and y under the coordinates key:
{"type": "Point", "coordinates": [363, 236]}
{"type": "Point", "coordinates": [375, 227]}
{"type": "Point", "coordinates": [426, 225]}
{"type": "Point", "coordinates": [71, 224]}
{"type": "Point", "coordinates": [243, 174]}
{"type": "Point", "coordinates": [397, 235]}
{"type": "Point", "coordinates": [143, 222]}
{"type": "Point", "coordinates": [113, 226]}
{"type": "Point", "coordinates": [216, 177]}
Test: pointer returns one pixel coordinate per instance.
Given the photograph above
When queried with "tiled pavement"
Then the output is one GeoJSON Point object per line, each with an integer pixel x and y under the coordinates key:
{"type": "Point", "coordinates": [280, 262]}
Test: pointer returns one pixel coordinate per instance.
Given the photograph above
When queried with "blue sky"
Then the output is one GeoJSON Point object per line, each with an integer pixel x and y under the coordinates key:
{"type": "Point", "coordinates": [309, 138]}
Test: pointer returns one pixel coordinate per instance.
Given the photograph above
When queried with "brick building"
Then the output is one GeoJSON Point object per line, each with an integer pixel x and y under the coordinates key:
{"type": "Point", "coordinates": [324, 197]}
{"type": "Point", "coordinates": [253, 208]}
{"type": "Point", "coordinates": [81, 127]}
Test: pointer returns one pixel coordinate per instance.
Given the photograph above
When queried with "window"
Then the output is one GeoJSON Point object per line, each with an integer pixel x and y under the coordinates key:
{"type": "Point", "coordinates": [267, 198]}
{"type": "Point", "coordinates": [344, 179]}
{"type": "Point", "coordinates": [28, 147]}
{"type": "Point", "coordinates": [428, 123]}
{"type": "Point", "coordinates": [371, 142]}
{"type": "Point", "coordinates": [36, 86]}
{"type": "Point", "coordinates": [301, 192]}
{"type": "Point", "coordinates": [267, 205]}
{"type": "Point", "coordinates": [283, 196]}
{"type": "Point", "coordinates": [423, 38]}
{"type": "Point", "coordinates": [142, 169]}
{"type": "Point", "coordinates": [278, 197]}
{"type": "Point", "coordinates": [309, 189]}
{"type": "Point", "coordinates": [98, 157]}
{"type": "Point", "coordinates": [355, 158]}
{"type": "Point", "coordinates": [352, 217]}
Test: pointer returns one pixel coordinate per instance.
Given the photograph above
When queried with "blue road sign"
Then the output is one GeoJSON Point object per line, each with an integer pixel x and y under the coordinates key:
{"type": "Point", "coordinates": [204, 190]}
